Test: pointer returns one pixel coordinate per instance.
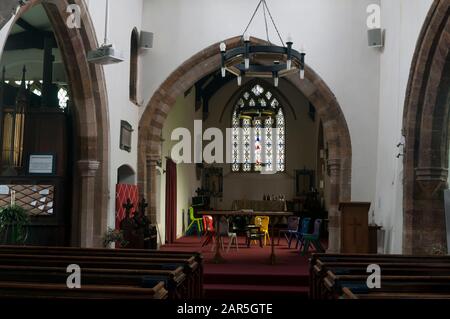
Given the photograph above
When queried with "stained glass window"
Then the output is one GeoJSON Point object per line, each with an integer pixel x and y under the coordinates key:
{"type": "Point", "coordinates": [235, 136]}
{"type": "Point", "coordinates": [268, 142]}
{"type": "Point", "coordinates": [258, 132]}
{"type": "Point", "coordinates": [63, 97]}
{"type": "Point", "coordinates": [280, 140]}
{"type": "Point", "coordinates": [246, 125]}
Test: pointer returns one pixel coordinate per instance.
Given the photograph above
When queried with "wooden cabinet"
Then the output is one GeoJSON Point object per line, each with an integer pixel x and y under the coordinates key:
{"type": "Point", "coordinates": [354, 228]}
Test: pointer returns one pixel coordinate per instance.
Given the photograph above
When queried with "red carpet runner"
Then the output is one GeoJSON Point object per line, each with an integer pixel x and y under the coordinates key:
{"type": "Point", "coordinates": [247, 274]}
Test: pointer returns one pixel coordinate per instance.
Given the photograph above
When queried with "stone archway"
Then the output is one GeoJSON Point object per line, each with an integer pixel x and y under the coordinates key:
{"type": "Point", "coordinates": [313, 87]}
{"type": "Point", "coordinates": [88, 88]}
{"type": "Point", "coordinates": [426, 128]}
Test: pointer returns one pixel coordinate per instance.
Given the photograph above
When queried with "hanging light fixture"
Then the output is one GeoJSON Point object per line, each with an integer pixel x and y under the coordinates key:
{"type": "Point", "coordinates": [266, 61]}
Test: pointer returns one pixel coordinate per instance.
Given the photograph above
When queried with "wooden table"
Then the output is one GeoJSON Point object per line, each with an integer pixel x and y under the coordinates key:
{"type": "Point", "coordinates": [218, 214]}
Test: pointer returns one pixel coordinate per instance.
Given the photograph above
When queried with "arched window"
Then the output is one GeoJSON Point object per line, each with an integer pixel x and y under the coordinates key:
{"type": "Point", "coordinates": [134, 52]}
{"type": "Point", "coordinates": [258, 132]}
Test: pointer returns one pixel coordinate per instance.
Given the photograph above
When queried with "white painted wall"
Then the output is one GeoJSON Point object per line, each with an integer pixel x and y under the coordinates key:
{"type": "Point", "coordinates": [124, 16]}
{"type": "Point", "coordinates": [182, 115]}
{"type": "Point", "coordinates": [332, 32]}
{"type": "Point", "coordinates": [402, 20]}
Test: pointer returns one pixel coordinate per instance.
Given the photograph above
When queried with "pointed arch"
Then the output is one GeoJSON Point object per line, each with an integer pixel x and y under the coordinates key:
{"type": "Point", "coordinates": [426, 131]}
{"type": "Point", "coordinates": [88, 89]}
{"type": "Point", "coordinates": [313, 88]}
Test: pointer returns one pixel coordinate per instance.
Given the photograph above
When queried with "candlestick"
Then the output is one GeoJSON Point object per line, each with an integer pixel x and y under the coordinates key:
{"type": "Point", "coordinates": [13, 197]}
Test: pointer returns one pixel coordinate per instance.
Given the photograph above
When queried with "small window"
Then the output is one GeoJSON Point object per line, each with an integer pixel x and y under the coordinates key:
{"type": "Point", "coordinates": [126, 131]}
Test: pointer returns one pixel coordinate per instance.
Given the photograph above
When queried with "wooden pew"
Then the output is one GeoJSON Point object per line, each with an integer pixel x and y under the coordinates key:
{"type": "Point", "coordinates": [188, 286]}
{"type": "Point", "coordinates": [174, 280]}
{"type": "Point", "coordinates": [20, 290]}
{"type": "Point", "coordinates": [171, 271]}
{"type": "Point", "coordinates": [193, 270]}
{"type": "Point", "coordinates": [401, 275]}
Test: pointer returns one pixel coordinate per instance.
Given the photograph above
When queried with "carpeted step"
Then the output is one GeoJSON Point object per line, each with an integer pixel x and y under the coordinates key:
{"type": "Point", "coordinates": [234, 292]}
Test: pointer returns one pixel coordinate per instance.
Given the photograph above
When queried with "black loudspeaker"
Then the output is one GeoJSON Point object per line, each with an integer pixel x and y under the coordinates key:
{"type": "Point", "coordinates": [375, 38]}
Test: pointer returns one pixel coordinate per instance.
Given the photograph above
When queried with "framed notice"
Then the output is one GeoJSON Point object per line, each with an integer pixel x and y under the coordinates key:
{"type": "Point", "coordinates": [41, 164]}
{"type": "Point", "coordinates": [126, 131]}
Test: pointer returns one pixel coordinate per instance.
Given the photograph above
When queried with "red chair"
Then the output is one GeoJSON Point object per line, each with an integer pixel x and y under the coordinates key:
{"type": "Point", "coordinates": [208, 226]}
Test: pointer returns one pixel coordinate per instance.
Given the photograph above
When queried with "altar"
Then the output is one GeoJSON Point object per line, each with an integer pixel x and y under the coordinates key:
{"type": "Point", "coordinates": [260, 205]}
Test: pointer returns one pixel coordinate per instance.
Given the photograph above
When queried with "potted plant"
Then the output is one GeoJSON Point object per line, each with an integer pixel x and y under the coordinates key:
{"type": "Point", "coordinates": [13, 225]}
{"type": "Point", "coordinates": [114, 237]}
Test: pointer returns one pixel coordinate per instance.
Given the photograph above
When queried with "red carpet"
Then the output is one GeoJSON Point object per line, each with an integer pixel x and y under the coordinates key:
{"type": "Point", "coordinates": [247, 273]}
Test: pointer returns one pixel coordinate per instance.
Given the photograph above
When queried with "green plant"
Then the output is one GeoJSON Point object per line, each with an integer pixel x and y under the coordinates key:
{"type": "Point", "coordinates": [114, 236]}
{"type": "Point", "coordinates": [13, 224]}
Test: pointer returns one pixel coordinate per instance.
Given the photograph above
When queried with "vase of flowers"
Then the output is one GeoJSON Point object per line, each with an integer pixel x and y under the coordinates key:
{"type": "Point", "coordinates": [14, 222]}
{"type": "Point", "coordinates": [113, 238]}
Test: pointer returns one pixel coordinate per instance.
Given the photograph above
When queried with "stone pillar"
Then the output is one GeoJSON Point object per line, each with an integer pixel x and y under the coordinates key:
{"type": "Point", "coordinates": [428, 231]}
{"type": "Point", "coordinates": [151, 164]}
{"type": "Point", "coordinates": [334, 223]}
{"type": "Point", "coordinates": [88, 171]}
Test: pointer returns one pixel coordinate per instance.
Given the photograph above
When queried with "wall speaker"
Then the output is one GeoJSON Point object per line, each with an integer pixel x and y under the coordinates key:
{"type": "Point", "coordinates": [146, 40]}
{"type": "Point", "coordinates": [375, 37]}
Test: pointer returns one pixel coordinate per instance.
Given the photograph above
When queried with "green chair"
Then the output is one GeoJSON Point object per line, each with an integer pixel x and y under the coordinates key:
{"type": "Point", "coordinates": [314, 239]}
{"type": "Point", "coordinates": [195, 220]}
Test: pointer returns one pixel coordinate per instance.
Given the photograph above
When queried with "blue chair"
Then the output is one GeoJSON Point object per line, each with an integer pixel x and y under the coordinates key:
{"type": "Point", "coordinates": [314, 239]}
{"type": "Point", "coordinates": [303, 228]}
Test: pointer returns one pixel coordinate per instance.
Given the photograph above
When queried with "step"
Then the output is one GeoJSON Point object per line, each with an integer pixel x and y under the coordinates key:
{"type": "Point", "coordinates": [257, 280]}
{"type": "Point", "coordinates": [246, 292]}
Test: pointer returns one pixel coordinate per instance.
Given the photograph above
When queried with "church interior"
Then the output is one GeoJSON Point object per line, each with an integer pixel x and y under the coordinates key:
{"type": "Point", "coordinates": [265, 150]}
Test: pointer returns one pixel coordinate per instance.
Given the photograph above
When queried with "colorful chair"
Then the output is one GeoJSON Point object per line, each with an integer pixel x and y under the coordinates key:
{"type": "Point", "coordinates": [196, 221]}
{"type": "Point", "coordinates": [303, 228]}
{"type": "Point", "coordinates": [263, 223]}
{"type": "Point", "coordinates": [239, 225]}
{"type": "Point", "coordinates": [253, 234]}
{"type": "Point", "coordinates": [208, 226]}
{"type": "Point", "coordinates": [292, 227]}
{"type": "Point", "coordinates": [314, 239]}
{"type": "Point", "coordinates": [224, 231]}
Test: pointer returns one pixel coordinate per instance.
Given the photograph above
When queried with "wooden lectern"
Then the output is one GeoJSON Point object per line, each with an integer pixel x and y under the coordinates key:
{"type": "Point", "coordinates": [354, 228]}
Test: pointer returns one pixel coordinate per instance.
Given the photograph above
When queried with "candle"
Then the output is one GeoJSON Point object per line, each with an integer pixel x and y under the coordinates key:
{"type": "Point", "coordinates": [13, 197]}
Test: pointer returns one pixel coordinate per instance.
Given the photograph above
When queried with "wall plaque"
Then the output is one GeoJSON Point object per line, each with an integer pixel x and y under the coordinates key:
{"type": "Point", "coordinates": [41, 164]}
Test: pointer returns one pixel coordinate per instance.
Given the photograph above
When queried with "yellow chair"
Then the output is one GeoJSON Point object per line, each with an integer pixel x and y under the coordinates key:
{"type": "Point", "coordinates": [263, 223]}
{"type": "Point", "coordinates": [194, 220]}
